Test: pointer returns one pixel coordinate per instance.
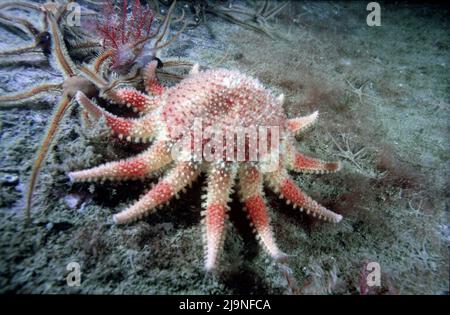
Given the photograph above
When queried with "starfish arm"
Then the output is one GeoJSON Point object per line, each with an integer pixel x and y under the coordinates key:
{"type": "Point", "coordinates": [30, 93]}
{"type": "Point", "coordinates": [282, 184]}
{"type": "Point", "coordinates": [251, 191]}
{"type": "Point", "coordinates": [220, 182]}
{"type": "Point", "coordinates": [152, 85]}
{"type": "Point", "coordinates": [134, 99]}
{"type": "Point", "coordinates": [133, 130]}
{"type": "Point", "coordinates": [176, 180]}
{"type": "Point", "coordinates": [61, 109]}
{"type": "Point", "coordinates": [306, 164]}
{"type": "Point", "coordinates": [153, 159]}
{"type": "Point", "coordinates": [300, 124]}
{"type": "Point", "coordinates": [301, 163]}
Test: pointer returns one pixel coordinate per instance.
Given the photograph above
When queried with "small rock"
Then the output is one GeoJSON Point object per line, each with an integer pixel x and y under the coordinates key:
{"type": "Point", "coordinates": [345, 62]}
{"type": "Point", "coordinates": [9, 180]}
{"type": "Point", "coordinates": [73, 201]}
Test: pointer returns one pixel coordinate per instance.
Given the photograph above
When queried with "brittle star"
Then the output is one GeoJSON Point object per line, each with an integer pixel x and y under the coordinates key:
{"type": "Point", "coordinates": [357, 91]}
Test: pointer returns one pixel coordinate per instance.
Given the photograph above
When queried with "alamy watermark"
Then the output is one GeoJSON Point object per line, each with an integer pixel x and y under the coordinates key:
{"type": "Point", "coordinates": [219, 143]}
{"type": "Point", "coordinates": [73, 279]}
{"type": "Point", "coordinates": [374, 17]}
{"type": "Point", "coordinates": [74, 15]}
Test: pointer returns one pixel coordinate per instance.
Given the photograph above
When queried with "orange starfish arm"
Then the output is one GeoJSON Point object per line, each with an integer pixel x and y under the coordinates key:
{"type": "Point", "coordinates": [220, 181]}
{"type": "Point", "coordinates": [301, 163]}
{"type": "Point", "coordinates": [251, 190]}
{"type": "Point", "coordinates": [134, 99]}
{"type": "Point", "coordinates": [306, 164]}
{"type": "Point", "coordinates": [178, 178]}
{"type": "Point", "coordinates": [281, 183]}
{"type": "Point", "coordinates": [44, 147]}
{"type": "Point", "coordinates": [20, 50]}
{"type": "Point", "coordinates": [151, 82]}
{"type": "Point", "coordinates": [153, 159]}
{"type": "Point", "coordinates": [136, 130]}
{"type": "Point", "coordinates": [300, 124]}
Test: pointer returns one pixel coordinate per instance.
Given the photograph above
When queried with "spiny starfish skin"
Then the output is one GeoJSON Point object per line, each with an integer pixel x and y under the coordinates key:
{"type": "Point", "coordinates": [225, 100]}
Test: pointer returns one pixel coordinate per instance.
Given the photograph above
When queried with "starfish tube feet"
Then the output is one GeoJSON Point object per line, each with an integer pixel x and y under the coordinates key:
{"type": "Point", "coordinates": [134, 99]}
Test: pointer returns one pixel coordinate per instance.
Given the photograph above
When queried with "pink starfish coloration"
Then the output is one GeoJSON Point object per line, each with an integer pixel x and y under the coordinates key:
{"type": "Point", "coordinates": [224, 101]}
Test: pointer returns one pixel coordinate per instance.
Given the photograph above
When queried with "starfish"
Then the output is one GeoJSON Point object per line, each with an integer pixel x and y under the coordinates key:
{"type": "Point", "coordinates": [230, 105]}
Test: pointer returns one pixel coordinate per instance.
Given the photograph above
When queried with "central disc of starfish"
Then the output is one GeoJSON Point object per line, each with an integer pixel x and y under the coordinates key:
{"type": "Point", "coordinates": [226, 105]}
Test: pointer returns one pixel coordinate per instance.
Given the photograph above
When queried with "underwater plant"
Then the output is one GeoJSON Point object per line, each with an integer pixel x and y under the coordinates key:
{"type": "Point", "coordinates": [226, 102]}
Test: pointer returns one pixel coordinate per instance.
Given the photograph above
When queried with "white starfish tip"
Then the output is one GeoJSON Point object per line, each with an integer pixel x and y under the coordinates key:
{"type": "Point", "coordinates": [195, 69]}
{"type": "Point", "coordinates": [280, 98]}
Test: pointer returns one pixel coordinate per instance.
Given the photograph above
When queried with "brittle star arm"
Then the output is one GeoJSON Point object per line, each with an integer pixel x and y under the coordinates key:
{"type": "Point", "coordinates": [22, 4]}
{"type": "Point", "coordinates": [61, 109]}
{"type": "Point", "coordinates": [39, 37]}
{"type": "Point", "coordinates": [152, 159]}
{"type": "Point", "coordinates": [59, 49]}
{"type": "Point", "coordinates": [30, 94]}
{"type": "Point", "coordinates": [299, 162]}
